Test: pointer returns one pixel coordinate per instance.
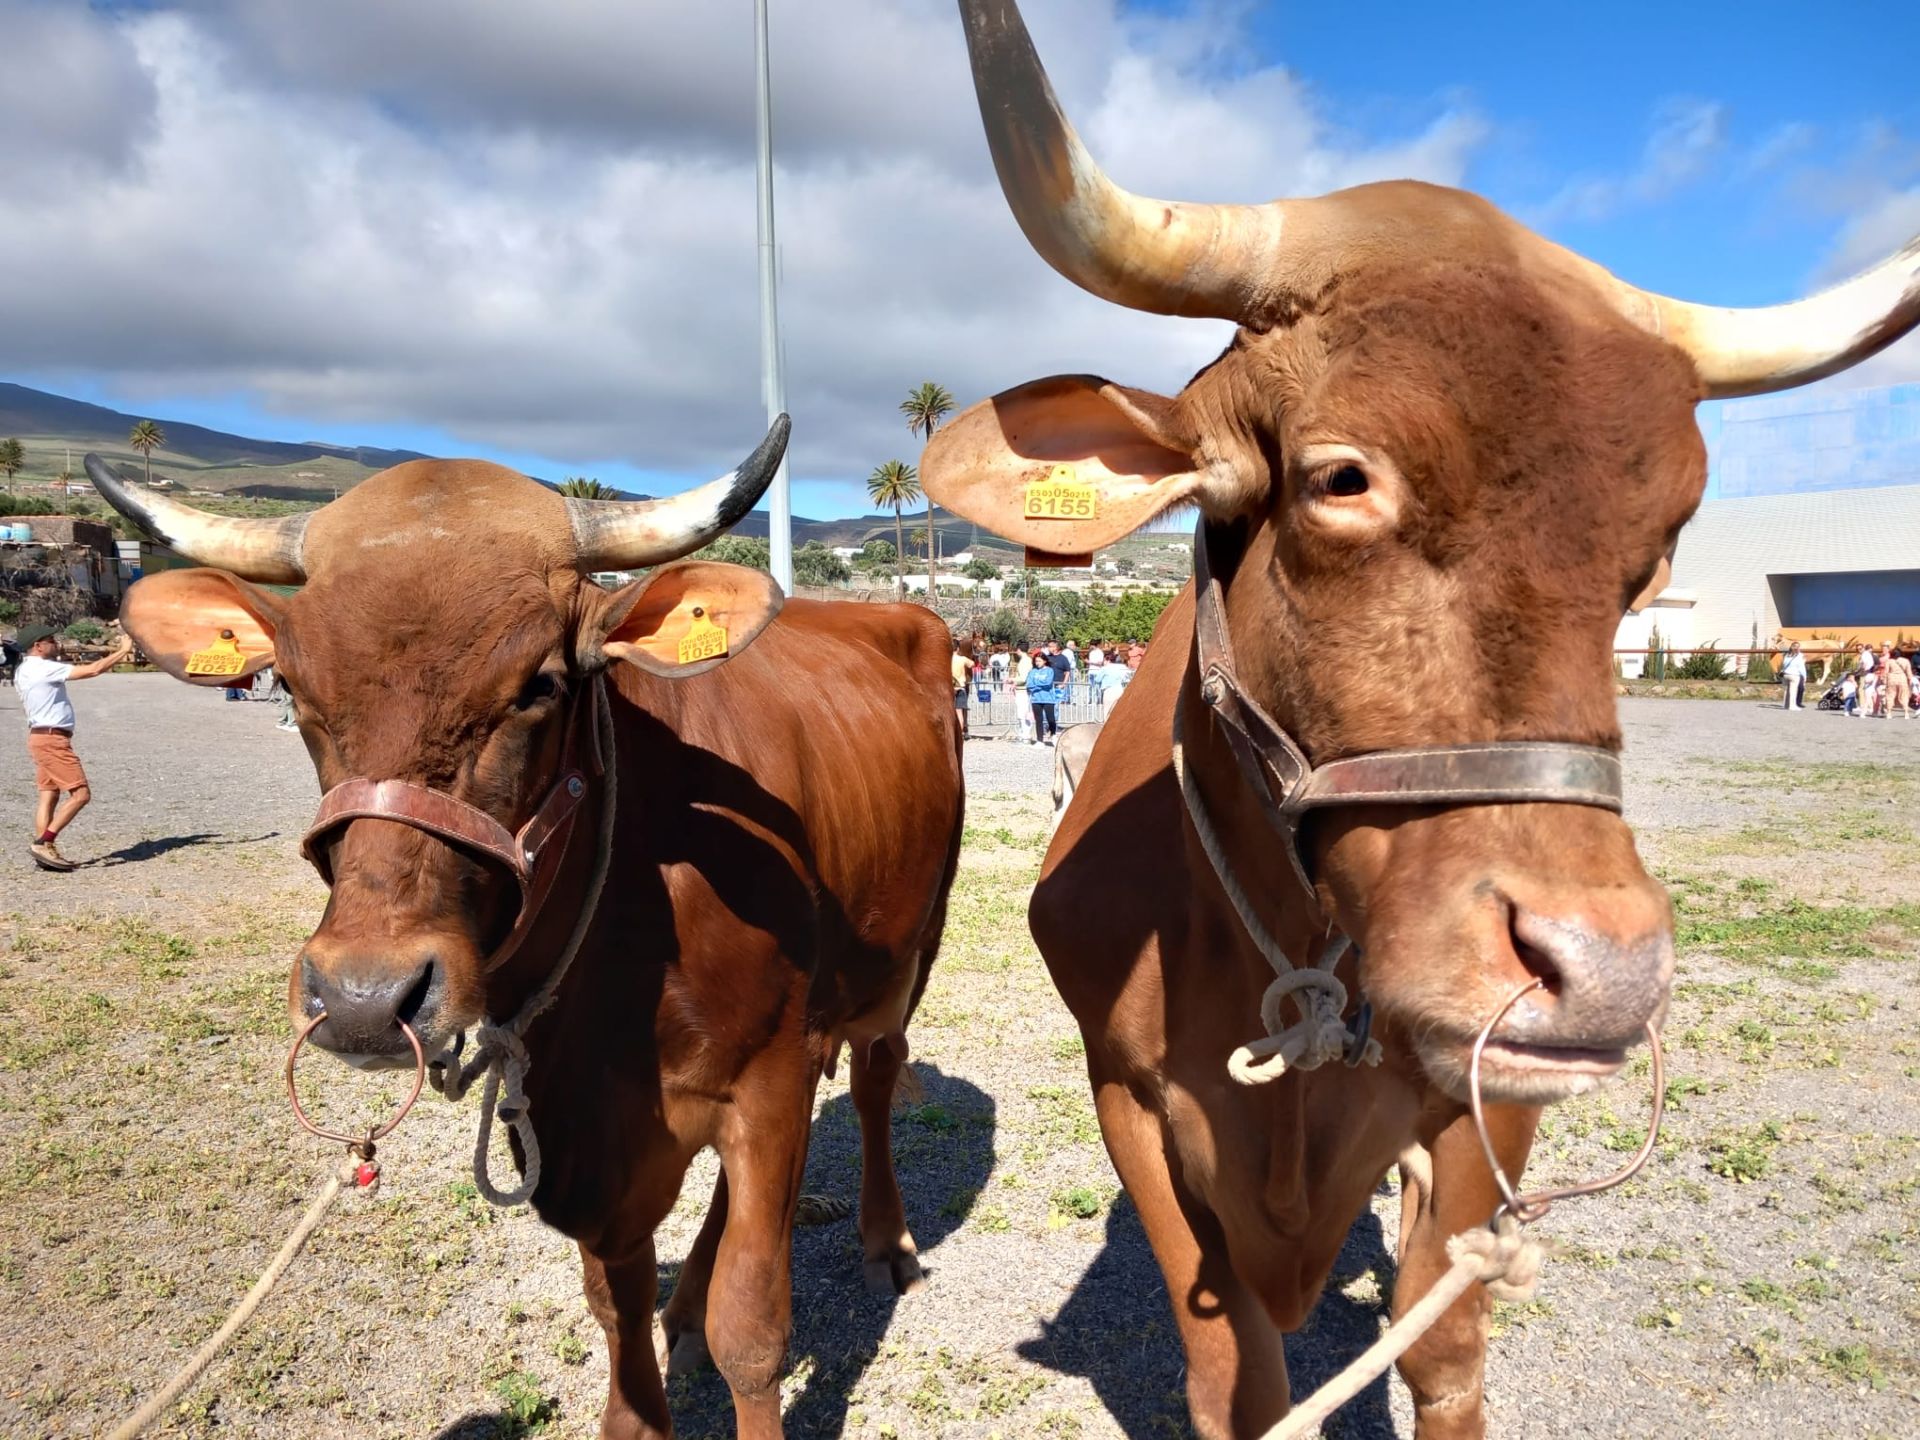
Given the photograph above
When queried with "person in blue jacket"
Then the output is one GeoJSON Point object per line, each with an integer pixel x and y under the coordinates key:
{"type": "Point", "coordinates": [1040, 690]}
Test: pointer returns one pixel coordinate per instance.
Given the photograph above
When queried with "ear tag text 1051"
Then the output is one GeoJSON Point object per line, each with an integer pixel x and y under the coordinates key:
{"type": "Point", "coordinates": [223, 657]}
{"type": "Point", "coordinates": [704, 640]}
{"type": "Point", "coordinates": [1060, 497]}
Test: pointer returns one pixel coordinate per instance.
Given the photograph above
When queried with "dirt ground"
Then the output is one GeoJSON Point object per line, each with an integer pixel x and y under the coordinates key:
{"type": "Point", "coordinates": [1761, 1276]}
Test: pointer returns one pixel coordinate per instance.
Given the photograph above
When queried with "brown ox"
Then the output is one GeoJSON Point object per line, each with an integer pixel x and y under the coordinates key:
{"type": "Point", "coordinates": [777, 874]}
{"type": "Point", "coordinates": [1436, 462]}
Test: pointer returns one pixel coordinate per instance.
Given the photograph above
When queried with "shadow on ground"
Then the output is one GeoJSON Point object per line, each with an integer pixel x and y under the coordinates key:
{"type": "Point", "coordinates": [1117, 1330]}
{"type": "Point", "coordinates": [943, 1150]}
{"type": "Point", "coordinates": [154, 849]}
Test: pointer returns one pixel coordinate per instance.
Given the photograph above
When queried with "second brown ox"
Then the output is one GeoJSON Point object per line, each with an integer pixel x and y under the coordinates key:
{"type": "Point", "coordinates": [776, 865]}
{"type": "Point", "coordinates": [1439, 458]}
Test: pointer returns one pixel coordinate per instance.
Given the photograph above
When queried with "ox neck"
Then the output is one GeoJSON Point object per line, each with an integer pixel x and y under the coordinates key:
{"type": "Point", "coordinates": [562, 903]}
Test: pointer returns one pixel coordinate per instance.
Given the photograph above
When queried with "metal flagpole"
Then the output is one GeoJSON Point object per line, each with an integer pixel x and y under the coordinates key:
{"type": "Point", "coordinates": [773, 383]}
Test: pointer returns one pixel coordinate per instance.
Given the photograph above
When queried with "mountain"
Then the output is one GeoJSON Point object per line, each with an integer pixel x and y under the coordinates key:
{"type": "Point", "coordinates": [53, 427]}
{"type": "Point", "coordinates": [38, 414]}
{"type": "Point", "coordinates": [956, 534]}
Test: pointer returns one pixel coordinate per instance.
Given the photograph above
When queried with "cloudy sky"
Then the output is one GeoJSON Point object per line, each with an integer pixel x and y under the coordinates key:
{"type": "Point", "coordinates": [526, 231]}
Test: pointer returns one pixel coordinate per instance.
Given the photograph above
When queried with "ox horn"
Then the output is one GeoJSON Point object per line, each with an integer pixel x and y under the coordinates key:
{"type": "Point", "coordinates": [1163, 256]}
{"type": "Point", "coordinates": [1775, 347]}
{"type": "Point", "coordinates": [627, 534]}
{"type": "Point", "coordinates": [267, 551]}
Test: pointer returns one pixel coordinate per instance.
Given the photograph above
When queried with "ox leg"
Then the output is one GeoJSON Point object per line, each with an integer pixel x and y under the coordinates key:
{"type": "Point", "coordinates": [621, 1299]}
{"type": "Point", "coordinates": [891, 1261]}
{"type": "Point", "coordinates": [684, 1321]}
{"type": "Point", "coordinates": [1236, 1356]}
{"type": "Point", "coordinates": [750, 1298]}
{"type": "Point", "coordinates": [1446, 1189]}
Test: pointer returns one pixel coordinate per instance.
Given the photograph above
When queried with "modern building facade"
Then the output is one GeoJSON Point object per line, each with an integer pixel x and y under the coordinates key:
{"type": "Point", "coordinates": [1814, 528]}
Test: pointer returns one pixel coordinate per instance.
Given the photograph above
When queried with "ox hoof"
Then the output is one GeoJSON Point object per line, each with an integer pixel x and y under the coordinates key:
{"type": "Point", "coordinates": [896, 1274]}
{"type": "Point", "coordinates": [686, 1352]}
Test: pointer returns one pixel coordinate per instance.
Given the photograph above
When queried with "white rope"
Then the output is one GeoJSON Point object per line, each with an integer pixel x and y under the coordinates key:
{"type": "Point", "coordinates": [499, 1051]}
{"type": "Point", "coordinates": [1320, 1034]}
{"type": "Point", "coordinates": [1504, 1259]}
{"type": "Point", "coordinates": [340, 1178]}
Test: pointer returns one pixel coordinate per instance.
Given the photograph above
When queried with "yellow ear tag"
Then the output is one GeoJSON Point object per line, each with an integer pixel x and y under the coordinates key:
{"type": "Point", "coordinates": [1061, 497]}
{"type": "Point", "coordinates": [223, 657]}
{"type": "Point", "coordinates": [704, 640]}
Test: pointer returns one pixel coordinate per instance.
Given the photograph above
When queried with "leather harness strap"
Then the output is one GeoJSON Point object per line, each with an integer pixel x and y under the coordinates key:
{"type": "Point", "coordinates": [1480, 772]}
{"type": "Point", "coordinates": [534, 855]}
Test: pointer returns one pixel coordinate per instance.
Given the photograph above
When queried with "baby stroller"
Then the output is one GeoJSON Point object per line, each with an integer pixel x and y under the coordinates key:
{"type": "Point", "coordinates": [1832, 700]}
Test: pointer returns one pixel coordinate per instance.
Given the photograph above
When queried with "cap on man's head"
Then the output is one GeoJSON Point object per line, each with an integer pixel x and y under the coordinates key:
{"type": "Point", "coordinates": [33, 634]}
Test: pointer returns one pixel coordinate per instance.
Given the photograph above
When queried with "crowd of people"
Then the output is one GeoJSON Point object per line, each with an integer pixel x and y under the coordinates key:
{"type": "Point", "coordinates": [1041, 680]}
{"type": "Point", "coordinates": [1880, 682]}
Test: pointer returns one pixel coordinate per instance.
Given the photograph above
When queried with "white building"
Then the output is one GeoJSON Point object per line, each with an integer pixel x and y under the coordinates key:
{"type": "Point", "coordinates": [1815, 527]}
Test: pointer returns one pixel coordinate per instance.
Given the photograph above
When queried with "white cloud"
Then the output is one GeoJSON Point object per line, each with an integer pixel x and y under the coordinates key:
{"type": "Point", "coordinates": [532, 226]}
{"type": "Point", "coordinates": [1687, 135]}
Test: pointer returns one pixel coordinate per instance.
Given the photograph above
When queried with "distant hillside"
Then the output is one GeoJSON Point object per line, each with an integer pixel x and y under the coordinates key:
{"type": "Point", "coordinates": [54, 429]}
{"type": "Point", "coordinates": [956, 534]}
{"type": "Point", "coordinates": [36, 414]}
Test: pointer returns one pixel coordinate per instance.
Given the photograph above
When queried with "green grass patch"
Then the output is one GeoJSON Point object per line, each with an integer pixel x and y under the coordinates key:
{"type": "Point", "coordinates": [1790, 930]}
{"type": "Point", "coordinates": [1744, 1156]}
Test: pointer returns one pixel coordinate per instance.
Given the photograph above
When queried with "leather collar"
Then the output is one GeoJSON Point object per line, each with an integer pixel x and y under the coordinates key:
{"type": "Point", "coordinates": [535, 854]}
{"type": "Point", "coordinates": [1476, 772]}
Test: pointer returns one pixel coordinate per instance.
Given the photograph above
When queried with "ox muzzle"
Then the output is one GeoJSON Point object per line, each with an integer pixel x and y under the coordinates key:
{"type": "Point", "coordinates": [1604, 961]}
{"type": "Point", "coordinates": [363, 997]}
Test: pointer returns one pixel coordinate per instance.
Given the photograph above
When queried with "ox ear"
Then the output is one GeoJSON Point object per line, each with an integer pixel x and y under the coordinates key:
{"type": "Point", "coordinates": [687, 618]}
{"type": "Point", "coordinates": [1064, 465]}
{"type": "Point", "coordinates": [205, 627]}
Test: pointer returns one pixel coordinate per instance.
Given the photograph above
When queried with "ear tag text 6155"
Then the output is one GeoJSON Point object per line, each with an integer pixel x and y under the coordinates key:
{"type": "Point", "coordinates": [223, 657]}
{"type": "Point", "coordinates": [704, 640]}
{"type": "Point", "coordinates": [1061, 496]}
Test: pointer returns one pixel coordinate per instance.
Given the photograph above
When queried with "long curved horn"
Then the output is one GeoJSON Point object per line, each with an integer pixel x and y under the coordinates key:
{"type": "Point", "coordinates": [1775, 347]}
{"type": "Point", "coordinates": [626, 534]}
{"type": "Point", "coordinates": [267, 551]}
{"type": "Point", "coordinates": [1162, 256]}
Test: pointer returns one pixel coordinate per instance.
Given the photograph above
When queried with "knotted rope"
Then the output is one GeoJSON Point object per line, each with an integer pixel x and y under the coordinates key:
{"type": "Point", "coordinates": [1503, 1258]}
{"type": "Point", "coordinates": [499, 1051]}
{"type": "Point", "coordinates": [1320, 1034]}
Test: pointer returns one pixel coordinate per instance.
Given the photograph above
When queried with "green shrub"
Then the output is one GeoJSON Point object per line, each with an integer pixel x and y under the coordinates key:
{"type": "Point", "coordinates": [816, 564]}
{"type": "Point", "coordinates": [1006, 628]}
{"type": "Point", "coordinates": [1706, 663]}
{"type": "Point", "coordinates": [86, 632]}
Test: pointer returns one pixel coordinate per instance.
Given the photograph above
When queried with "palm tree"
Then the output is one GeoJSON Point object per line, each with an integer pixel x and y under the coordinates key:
{"type": "Point", "coordinates": [12, 456]}
{"type": "Point", "coordinates": [147, 437]}
{"type": "Point", "coordinates": [895, 483]}
{"type": "Point", "coordinates": [584, 487]}
{"type": "Point", "coordinates": [926, 405]}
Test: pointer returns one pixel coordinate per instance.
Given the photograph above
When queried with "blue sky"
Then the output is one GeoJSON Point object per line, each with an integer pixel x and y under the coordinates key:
{"type": "Point", "coordinates": [1736, 154]}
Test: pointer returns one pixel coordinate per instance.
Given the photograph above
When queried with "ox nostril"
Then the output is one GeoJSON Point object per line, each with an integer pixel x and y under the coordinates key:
{"type": "Point", "coordinates": [1535, 957]}
{"type": "Point", "coordinates": [415, 1000]}
{"type": "Point", "coordinates": [364, 1001]}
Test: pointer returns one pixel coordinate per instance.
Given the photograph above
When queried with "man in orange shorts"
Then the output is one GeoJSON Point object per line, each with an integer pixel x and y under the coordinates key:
{"type": "Point", "coordinates": [42, 680]}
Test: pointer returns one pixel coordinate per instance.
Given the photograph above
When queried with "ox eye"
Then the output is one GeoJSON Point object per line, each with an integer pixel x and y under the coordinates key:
{"type": "Point", "coordinates": [541, 687]}
{"type": "Point", "coordinates": [1345, 483]}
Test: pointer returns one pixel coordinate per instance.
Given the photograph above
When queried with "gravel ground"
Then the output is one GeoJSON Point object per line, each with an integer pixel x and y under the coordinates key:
{"type": "Point", "coordinates": [1760, 1275]}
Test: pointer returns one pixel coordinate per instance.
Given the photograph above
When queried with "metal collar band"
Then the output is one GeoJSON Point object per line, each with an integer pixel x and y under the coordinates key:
{"type": "Point", "coordinates": [1478, 772]}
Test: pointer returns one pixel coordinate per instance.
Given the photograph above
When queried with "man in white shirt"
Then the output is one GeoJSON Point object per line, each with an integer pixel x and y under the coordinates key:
{"type": "Point", "coordinates": [42, 682]}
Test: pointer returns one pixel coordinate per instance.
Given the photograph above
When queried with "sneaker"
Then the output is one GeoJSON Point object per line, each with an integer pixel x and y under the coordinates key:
{"type": "Point", "coordinates": [48, 857]}
{"type": "Point", "coordinates": [285, 726]}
